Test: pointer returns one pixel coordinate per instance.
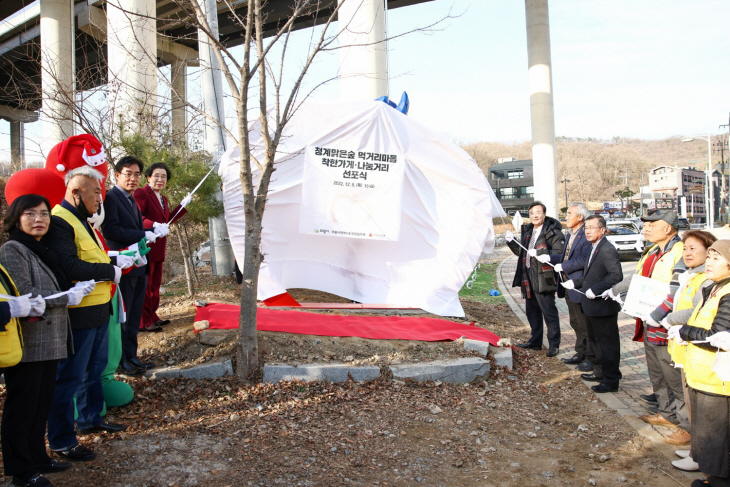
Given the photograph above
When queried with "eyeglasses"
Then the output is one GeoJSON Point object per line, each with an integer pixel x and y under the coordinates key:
{"type": "Point", "coordinates": [33, 215]}
{"type": "Point", "coordinates": [130, 175]}
{"type": "Point", "coordinates": [592, 228]}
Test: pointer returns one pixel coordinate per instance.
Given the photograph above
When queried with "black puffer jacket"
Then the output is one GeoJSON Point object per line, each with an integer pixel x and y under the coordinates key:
{"type": "Point", "coordinates": [721, 322]}
{"type": "Point", "coordinates": [550, 241]}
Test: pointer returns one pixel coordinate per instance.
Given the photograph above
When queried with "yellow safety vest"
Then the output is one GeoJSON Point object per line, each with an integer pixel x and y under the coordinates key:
{"type": "Point", "coordinates": [679, 352]}
{"type": "Point", "coordinates": [664, 266]}
{"type": "Point", "coordinates": [89, 250]}
{"type": "Point", "coordinates": [11, 340]}
{"type": "Point", "coordinates": [698, 362]}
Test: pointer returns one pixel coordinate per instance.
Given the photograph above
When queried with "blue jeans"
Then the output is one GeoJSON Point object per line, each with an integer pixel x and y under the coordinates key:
{"type": "Point", "coordinates": [79, 375]}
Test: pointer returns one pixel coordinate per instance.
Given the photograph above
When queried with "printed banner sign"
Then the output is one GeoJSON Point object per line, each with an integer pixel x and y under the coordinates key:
{"type": "Point", "coordinates": [353, 193]}
{"type": "Point", "coordinates": [644, 296]}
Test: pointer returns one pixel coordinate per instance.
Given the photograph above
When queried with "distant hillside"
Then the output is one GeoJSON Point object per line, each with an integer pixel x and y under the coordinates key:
{"type": "Point", "coordinates": [598, 168]}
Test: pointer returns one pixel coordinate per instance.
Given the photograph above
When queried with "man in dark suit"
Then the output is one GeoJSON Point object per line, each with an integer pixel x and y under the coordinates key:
{"type": "Point", "coordinates": [122, 227]}
{"type": "Point", "coordinates": [601, 273]}
{"type": "Point", "coordinates": [571, 262]}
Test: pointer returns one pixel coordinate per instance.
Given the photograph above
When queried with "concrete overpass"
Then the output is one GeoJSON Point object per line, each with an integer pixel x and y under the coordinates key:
{"type": "Point", "coordinates": [83, 43]}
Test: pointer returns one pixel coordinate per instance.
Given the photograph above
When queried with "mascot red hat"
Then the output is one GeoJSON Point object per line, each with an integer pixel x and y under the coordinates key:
{"type": "Point", "coordinates": [77, 151]}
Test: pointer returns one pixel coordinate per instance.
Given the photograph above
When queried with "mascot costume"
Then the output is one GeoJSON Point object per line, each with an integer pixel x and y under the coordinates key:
{"type": "Point", "coordinates": [74, 152]}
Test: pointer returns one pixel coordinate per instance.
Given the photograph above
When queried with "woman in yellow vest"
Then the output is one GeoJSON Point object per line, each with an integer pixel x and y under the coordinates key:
{"type": "Point", "coordinates": [33, 269]}
{"type": "Point", "coordinates": [687, 297]}
{"type": "Point", "coordinates": [708, 395]}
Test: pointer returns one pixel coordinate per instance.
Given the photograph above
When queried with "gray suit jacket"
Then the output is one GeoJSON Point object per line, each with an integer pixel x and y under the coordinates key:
{"type": "Point", "coordinates": [50, 337]}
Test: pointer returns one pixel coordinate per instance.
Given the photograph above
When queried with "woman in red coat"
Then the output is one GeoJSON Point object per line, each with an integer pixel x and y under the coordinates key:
{"type": "Point", "coordinates": [156, 213]}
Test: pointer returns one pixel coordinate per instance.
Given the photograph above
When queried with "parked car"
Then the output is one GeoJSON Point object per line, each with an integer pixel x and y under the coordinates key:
{"type": "Point", "coordinates": [683, 224]}
{"type": "Point", "coordinates": [625, 236]}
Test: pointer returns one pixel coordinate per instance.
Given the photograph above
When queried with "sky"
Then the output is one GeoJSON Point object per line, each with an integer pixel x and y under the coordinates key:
{"type": "Point", "coordinates": [624, 68]}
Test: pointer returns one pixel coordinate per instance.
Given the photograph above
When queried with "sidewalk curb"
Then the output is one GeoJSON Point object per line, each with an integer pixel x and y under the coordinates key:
{"type": "Point", "coordinates": [508, 297]}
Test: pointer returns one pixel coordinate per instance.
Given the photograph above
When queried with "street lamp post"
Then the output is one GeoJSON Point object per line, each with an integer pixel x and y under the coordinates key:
{"type": "Point", "coordinates": [709, 192]}
{"type": "Point", "coordinates": [565, 182]}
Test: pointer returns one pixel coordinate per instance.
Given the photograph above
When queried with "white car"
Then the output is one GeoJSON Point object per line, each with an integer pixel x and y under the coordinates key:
{"type": "Point", "coordinates": [625, 236]}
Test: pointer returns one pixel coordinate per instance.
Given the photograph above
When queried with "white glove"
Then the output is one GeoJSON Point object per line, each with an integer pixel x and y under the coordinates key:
{"type": "Point", "coordinates": [90, 285]}
{"type": "Point", "coordinates": [651, 322]}
{"type": "Point", "coordinates": [20, 306]}
{"type": "Point", "coordinates": [161, 231]}
{"type": "Point", "coordinates": [673, 334]}
{"type": "Point", "coordinates": [151, 236]}
{"type": "Point", "coordinates": [37, 306]}
{"type": "Point", "coordinates": [590, 294]}
{"type": "Point", "coordinates": [568, 284]}
{"type": "Point", "coordinates": [721, 340]}
{"type": "Point", "coordinates": [532, 252]}
{"type": "Point", "coordinates": [186, 201]}
{"type": "Point", "coordinates": [543, 258]}
{"type": "Point", "coordinates": [558, 268]}
{"type": "Point", "coordinates": [75, 297]}
{"type": "Point", "coordinates": [117, 274]}
{"type": "Point", "coordinates": [85, 286]}
{"type": "Point", "coordinates": [615, 297]}
{"type": "Point", "coordinates": [606, 294]}
{"type": "Point", "coordinates": [509, 236]}
{"type": "Point", "coordinates": [665, 323]}
{"type": "Point", "coordinates": [125, 261]}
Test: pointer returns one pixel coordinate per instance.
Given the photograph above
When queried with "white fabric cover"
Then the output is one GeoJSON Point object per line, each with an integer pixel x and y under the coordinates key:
{"type": "Point", "coordinates": [446, 214]}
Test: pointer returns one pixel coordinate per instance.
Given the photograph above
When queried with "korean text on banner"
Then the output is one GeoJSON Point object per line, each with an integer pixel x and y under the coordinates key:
{"type": "Point", "coordinates": [352, 192]}
{"type": "Point", "coordinates": [644, 296]}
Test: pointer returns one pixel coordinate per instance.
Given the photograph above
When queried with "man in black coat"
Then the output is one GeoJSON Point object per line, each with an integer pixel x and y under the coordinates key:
{"type": "Point", "coordinates": [122, 227]}
{"type": "Point", "coordinates": [601, 273]}
{"type": "Point", "coordinates": [82, 257]}
{"type": "Point", "coordinates": [571, 263]}
{"type": "Point", "coordinates": [542, 237]}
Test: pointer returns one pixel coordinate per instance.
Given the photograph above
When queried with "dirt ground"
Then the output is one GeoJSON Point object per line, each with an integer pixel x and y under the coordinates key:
{"type": "Point", "coordinates": [537, 425]}
{"type": "Point", "coordinates": [178, 345]}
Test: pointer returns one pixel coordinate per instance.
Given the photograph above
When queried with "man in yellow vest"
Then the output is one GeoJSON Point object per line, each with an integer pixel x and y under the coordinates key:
{"type": "Point", "coordinates": [83, 257]}
{"type": "Point", "coordinates": [662, 261]}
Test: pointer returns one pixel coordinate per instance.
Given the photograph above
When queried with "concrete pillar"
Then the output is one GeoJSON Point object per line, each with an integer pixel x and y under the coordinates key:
{"type": "Point", "coordinates": [178, 80]}
{"type": "Point", "coordinates": [544, 158]}
{"type": "Point", "coordinates": [211, 85]}
{"type": "Point", "coordinates": [132, 59]}
{"type": "Point", "coordinates": [57, 74]}
{"type": "Point", "coordinates": [221, 253]}
{"type": "Point", "coordinates": [364, 57]}
{"type": "Point", "coordinates": [17, 145]}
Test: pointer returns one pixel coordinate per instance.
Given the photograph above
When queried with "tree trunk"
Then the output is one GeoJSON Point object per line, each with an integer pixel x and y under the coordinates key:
{"type": "Point", "coordinates": [186, 263]}
{"type": "Point", "coordinates": [247, 359]}
{"type": "Point", "coordinates": [190, 253]}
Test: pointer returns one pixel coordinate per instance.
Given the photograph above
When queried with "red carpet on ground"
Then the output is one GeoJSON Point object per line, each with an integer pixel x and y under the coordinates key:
{"type": "Point", "coordinates": [225, 316]}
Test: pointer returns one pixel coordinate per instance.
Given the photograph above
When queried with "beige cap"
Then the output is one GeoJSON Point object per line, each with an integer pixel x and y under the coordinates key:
{"type": "Point", "coordinates": [722, 247]}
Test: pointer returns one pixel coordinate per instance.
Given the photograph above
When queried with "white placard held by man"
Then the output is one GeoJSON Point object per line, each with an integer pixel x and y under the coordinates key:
{"type": "Point", "coordinates": [644, 295]}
